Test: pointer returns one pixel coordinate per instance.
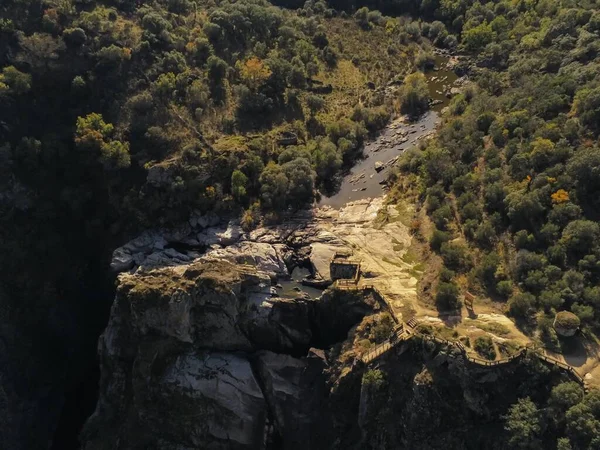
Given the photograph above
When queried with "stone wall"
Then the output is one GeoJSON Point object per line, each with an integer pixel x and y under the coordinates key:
{"type": "Point", "coordinates": [343, 270]}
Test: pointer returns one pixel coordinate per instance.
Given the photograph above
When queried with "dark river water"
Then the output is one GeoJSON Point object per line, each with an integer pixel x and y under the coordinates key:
{"type": "Point", "coordinates": [364, 181]}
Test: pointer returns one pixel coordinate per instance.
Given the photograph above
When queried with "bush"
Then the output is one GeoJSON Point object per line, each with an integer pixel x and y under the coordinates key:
{"type": "Point", "coordinates": [362, 17]}
{"type": "Point", "coordinates": [521, 305]}
{"type": "Point", "coordinates": [447, 296]}
{"type": "Point", "coordinates": [446, 275]}
{"type": "Point", "coordinates": [442, 217]}
{"type": "Point", "coordinates": [382, 329]}
{"type": "Point", "coordinates": [415, 95]}
{"type": "Point", "coordinates": [425, 61]}
{"type": "Point", "coordinates": [504, 288]}
{"type": "Point", "coordinates": [374, 378]}
{"type": "Point", "coordinates": [455, 256]}
{"type": "Point", "coordinates": [485, 347]}
{"type": "Point", "coordinates": [438, 238]}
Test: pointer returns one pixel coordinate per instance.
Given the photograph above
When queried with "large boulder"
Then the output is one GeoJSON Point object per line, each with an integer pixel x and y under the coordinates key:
{"type": "Point", "coordinates": [265, 257]}
{"type": "Point", "coordinates": [566, 323]}
{"type": "Point", "coordinates": [192, 399]}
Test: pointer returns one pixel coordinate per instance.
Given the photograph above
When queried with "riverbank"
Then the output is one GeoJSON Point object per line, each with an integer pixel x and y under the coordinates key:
{"type": "Point", "coordinates": [367, 179]}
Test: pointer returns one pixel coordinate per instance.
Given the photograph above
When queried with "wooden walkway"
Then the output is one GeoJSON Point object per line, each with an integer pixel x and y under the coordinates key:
{"type": "Point", "coordinates": [399, 335]}
{"type": "Point", "coordinates": [406, 331]}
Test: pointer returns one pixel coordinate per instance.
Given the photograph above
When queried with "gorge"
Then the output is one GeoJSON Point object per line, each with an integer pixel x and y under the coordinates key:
{"type": "Point", "coordinates": [299, 224]}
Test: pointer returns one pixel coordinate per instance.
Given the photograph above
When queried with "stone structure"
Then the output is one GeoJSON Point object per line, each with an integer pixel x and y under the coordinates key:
{"type": "Point", "coordinates": [343, 267]}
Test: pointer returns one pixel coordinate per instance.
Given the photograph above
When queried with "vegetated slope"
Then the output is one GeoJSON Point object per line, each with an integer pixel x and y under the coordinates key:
{"type": "Point", "coordinates": [511, 181]}
{"type": "Point", "coordinates": [121, 115]}
{"type": "Point", "coordinates": [408, 404]}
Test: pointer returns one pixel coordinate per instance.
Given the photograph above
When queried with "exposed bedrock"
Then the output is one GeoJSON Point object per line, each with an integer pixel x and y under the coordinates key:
{"type": "Point", "coordinates": [202, 356]}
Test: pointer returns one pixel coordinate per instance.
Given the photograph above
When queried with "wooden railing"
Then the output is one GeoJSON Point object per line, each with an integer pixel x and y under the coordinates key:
{"type": "Point", "coordinates": [568, 368]}
{"type": "Point", "coordinates": [376, 352]}
{"type": "Point", "coordinates": [398, 337]}
{"type": "Point", "coordinates": [403, 336]}
{"type": "Point", "coordinates": [346, 285]}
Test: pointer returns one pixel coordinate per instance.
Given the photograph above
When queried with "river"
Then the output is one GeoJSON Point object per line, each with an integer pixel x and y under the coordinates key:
{"type": "Point", "coordinates": [363, 181]}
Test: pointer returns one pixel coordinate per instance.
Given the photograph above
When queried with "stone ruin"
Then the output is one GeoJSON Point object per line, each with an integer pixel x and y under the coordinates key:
{"type": "Point", "coordinates": [344, 267]}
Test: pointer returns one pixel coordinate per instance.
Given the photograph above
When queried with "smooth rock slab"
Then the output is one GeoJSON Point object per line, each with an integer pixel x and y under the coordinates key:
{"type": "Point", "coordinates": [219, 402]}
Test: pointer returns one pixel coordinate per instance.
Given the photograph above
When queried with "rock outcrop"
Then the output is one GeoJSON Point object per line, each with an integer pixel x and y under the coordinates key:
{"type": "Point", "coordinates": [203, 356]}
{"type": "Point", "coordinates": [297, 391]}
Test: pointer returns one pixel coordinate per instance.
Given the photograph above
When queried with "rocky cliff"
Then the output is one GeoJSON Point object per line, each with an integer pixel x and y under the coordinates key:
{"type": "Point", "coordinates": [432, 398]}
{"type": "Point", "coordinates": [204, 356]}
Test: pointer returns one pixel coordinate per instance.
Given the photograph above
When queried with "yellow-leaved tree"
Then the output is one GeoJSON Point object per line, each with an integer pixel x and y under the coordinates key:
{"type": "Point", "coordinates": [93, 134]}
{"type": "Point", "coordinates": [254, 72]}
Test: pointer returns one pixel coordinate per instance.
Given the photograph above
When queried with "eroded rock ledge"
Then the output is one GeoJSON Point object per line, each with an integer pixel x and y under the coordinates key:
{"type": "Point", "coordinates": [309, 237]}
{"type": "Point", "coordinates": [201, 356]}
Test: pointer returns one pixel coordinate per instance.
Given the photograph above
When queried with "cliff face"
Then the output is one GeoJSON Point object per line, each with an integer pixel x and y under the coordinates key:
{"type": "Point", "coordinates": [203, 356]}
{"type": "Point", "coordinates": [200, 356]}
{"type": "Point", "coordinates": [432, 398]}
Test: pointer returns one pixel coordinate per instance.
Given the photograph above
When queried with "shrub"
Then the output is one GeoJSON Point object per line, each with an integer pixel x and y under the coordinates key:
{"type": "Point", "coordinates": [455, 256]}
{"type": "Point", "coordinates": [438, 238]}
{"type": "Point", "coordinates": [446, 275]}
{"type": "Point", "coordinates": [504, 288]}
{"type": "Point", "coordinates": [521, 305]}
{"type": "Point", "coordinates": [485, 347]}
{"type": "Point", "coordinates": [442, 216]}
{"type": "Point", "coordinates": [374, 378]}
{"type": "Point", "coordinates": [447, 296]}
{"type": "Point", "coordinates": [251, 217]}
{"type": "Point", "coordinates": [383, 328]}
{"type": "Point", "coordinates": [414, 95]}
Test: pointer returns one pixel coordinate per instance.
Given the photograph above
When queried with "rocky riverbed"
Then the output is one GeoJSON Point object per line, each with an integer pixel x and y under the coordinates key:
{"type": "Point", "coordinates": [367, 179]}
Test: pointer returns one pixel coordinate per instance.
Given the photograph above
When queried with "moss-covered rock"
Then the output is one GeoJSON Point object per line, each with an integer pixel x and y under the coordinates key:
{"type": "Point", "coordinates": [566, 323]}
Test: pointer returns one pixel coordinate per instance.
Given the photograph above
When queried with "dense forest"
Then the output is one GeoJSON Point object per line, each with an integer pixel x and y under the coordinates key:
{"type": "Point", "coordinates": [510, 182]}
{"type": "Point", "coordinates": [121, 115]}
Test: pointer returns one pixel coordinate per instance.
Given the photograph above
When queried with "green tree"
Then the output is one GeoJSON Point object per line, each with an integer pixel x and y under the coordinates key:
{"type": "Point", "coordinates": [584, 167]}
{"type": "Point", "coordinates": [446, 296]}
{"type": "Point", "coordinates": [564, 396]}
{"type": "Point", "coordinates": [523, 425]}
{"type": "Point", "coordinates": [273, 187]}
{"type": "Point", "coordinates": [563, 444]}
{"type": "Point", "coordinates": [414, 94]}
{"type": "Point", "coordinates": [477, 37]}
{"type": "Point", "coordinates": [581, 425]}
{"type": "Point", "coordinates": [217, 71]}
{"type": "Point", "coordinates": [14, 81]}
{"type": "Point", "coordinates": [438, 238]}
{"type": "Point", "coordinates": [592, 399]}
{"type": "Point", "coordinates": [301, 181]}
{"type": "Point", "coordinates": [580, 237]}
{"type": "Point", "coordinates": [327, 160]}
{"type": "Point", "coordinates": [521, 305]}
{"type": "Point", "coordinates": [587, 107]}
{"type": "Point", "coordinates": [315, 103]}
{"type": "Point", "coordinates": [238, 185]}
{"type": "Point", "coordinates": [94, 135]}
{"type": "Point", "coordinates": [362, 17]}
{"type": "Point", "coordinates": [455, 256]}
